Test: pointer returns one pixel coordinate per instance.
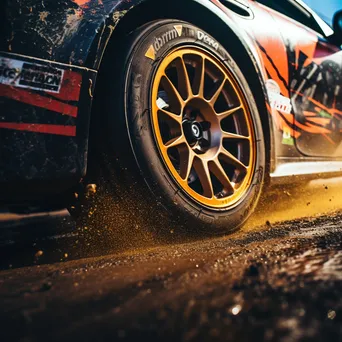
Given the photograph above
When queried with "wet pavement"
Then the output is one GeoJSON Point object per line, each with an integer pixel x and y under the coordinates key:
{"type": "Point", "coordinates": [272, 281]}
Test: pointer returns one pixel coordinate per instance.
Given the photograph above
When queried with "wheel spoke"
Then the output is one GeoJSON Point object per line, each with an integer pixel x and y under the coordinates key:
{"type": "Point", "coordinates": [173, 116]}
{"type": "Point", "coordinates": [217, 169]}
{"type": "Point", "coordinates": [218, 92]}
{"type": "Point", "coordinates": [175, 142]}
{"type": "Point", "coordinates": [171, 90]}
{"type": "Point", "coordinates": [203, 173]}
{"type": "Point", "coordinates": [233, 136]}
{"type": "Point", "coordinates": [186, 163]}
{"type": "Point", "coordinates": [199, 78]}
{"type": "Point", "coordinates": [229, 112]}
{"type": "Point", "coordinates": [232, 160]}
{"type": "Point", "coordinates": [183, 79]}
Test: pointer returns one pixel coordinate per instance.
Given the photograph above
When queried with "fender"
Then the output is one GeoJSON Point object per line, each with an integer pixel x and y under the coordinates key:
{"type": "Point", "coordinates": [226, 18]}
{"type": "Point", "coordinates": [76, 32]}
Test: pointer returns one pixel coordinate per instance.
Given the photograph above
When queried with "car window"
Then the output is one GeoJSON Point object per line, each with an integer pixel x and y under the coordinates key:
{"type": "Point", "coordinates": [294, 10]}
{"type": "Point", "coordinates": [325, 9]}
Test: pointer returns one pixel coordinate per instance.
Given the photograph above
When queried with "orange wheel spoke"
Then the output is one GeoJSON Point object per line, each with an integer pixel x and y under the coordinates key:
{"type": "Point", "coordinates": [203, 173]}
{"type": "Point", "coordinates": [229, 112]}
{"type": "Point", "coordinates": [173, 116]}
{"type": "Point", "coordinates": [175, 142]}
{"type": "Point", "coordinates": [218, 92]}
{"type": "Point", "coordinates": [233, 136]}
{"type": "Point", "coordinates": [232, 160]}
{"type": "Point", "coordinates": [172, 90]}
{"type": "Point", "coordinates": [183, 79]}
{"type": "Point", "coordinates": [187, 160]}
{"type": "Point", "coordinates": [217, 169]}
{"type": "Point", "coordinates": [199, 78]}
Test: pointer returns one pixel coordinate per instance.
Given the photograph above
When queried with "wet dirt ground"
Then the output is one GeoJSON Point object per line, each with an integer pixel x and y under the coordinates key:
{"type": "Point", "coordinates": [278, 279]}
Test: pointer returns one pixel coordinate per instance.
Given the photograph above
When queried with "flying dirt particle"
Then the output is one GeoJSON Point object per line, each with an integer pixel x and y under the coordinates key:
{"type": "Point", "coordinates": [66, 255]}
{"type": "Point", "coordinates": [268, 223]}
{"type": "Point", "coordinates": [326, 188]}
{"type": "Point", "coordinates": [76, 195]}
{"type": "Point", "coordinates": [43, 15]}
{"type": "Point", "coordinates": [236, 309]}
{"type": "Point", "coordinates": [91, 213]}
{"type": "Point", "coordinates": [91, 190]}
{"type": "Point", "coordinates": [331, 314]}
{"type": "Point", "coordinates": [76, 284]}
{"type": "Point", "coordinates": [308, 203]}
{"type": "Point", "coordinates": [39, 254]}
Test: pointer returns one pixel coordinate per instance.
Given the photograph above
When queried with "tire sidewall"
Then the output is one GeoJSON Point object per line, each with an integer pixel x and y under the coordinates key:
{"type": "Point", "coordinates": [139, 75]}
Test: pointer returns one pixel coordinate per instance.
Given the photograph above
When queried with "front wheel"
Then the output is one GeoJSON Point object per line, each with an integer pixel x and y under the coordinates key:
{"type": "Point", "coordinates": [187, 127]}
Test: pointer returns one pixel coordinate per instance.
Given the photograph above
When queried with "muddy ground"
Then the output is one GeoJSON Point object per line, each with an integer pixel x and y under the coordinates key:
{"type": "Point", "coordinates": [278, 279]}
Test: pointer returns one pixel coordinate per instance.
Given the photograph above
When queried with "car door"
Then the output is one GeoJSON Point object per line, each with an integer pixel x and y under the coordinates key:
{"type": "Point", "coordinates": [315, 82]}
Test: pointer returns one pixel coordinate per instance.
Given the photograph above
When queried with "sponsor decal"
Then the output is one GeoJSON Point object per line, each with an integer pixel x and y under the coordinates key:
{"type": "Point", "coordinates": [278, 101]}
{"type": "Point", "coordinates": [208, 40]}
{"type": "Point", "coordinates": [166, 37]}
{"type": "Point", "coordinates": [30, 75]}
{"type": "Point", "coordinates": [323, 114]}
{"type": "Point", "coordinates": [287, 138]}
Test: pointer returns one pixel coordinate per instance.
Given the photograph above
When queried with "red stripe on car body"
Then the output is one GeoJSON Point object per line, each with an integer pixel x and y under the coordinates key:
{"type": "Point", "coordinates": [37, 100]}
{"type": "Point", "coordinates": [69, 131]}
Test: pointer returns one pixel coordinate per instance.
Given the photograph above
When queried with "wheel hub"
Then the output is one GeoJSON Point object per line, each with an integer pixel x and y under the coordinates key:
{"type": "Point", "coordinates": [193, 132]}
{"type": "Point", "coordinates": [203, 127]}
{"type": "Point", "coordinates": [196, 130]}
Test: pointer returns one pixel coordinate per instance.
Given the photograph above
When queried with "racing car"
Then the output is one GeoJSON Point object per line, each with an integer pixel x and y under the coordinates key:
{"type": "Point", "coordinates": [194, 106]}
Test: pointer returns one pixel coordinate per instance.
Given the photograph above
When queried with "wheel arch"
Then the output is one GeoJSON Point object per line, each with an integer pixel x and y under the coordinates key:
{"type": "Point", "coordinates": [202, 14]}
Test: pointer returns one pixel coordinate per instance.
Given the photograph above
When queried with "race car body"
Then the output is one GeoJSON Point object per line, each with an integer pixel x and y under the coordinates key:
{"type": "Point", "coordinates": [52, 52]}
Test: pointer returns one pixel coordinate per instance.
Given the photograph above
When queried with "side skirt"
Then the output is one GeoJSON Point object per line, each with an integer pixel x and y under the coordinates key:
{"type": "Point", "coordinates": [298, 171]}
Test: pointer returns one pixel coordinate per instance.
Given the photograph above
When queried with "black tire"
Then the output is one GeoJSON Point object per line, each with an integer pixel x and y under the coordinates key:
{"type": "Point", "coordinates": [137, 175]}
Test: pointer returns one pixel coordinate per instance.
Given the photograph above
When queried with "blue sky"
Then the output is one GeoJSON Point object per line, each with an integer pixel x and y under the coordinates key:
{"type": "Point", "coordinates": [326, 8]}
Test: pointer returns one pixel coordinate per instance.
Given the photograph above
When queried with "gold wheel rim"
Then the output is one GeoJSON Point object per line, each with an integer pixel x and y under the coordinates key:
{"type": "Point", "coordinates": [203, 127]}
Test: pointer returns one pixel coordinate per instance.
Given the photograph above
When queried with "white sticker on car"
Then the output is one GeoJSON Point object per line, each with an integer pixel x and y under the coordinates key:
{"type": "Point", "coordinates": [277, 101]}
{"type": "Point", "coordinates": [30, 75]}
